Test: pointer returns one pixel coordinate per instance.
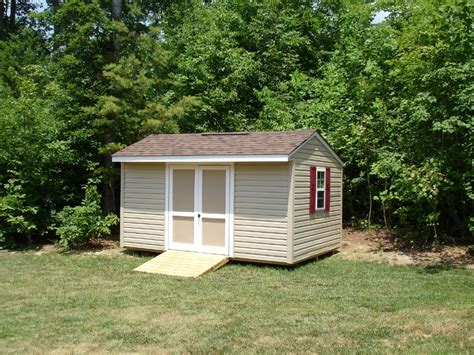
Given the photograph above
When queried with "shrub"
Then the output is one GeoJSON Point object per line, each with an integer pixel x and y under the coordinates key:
{"type": "Point", "coordinates": [79, 224]}
{"type": "Point", "coordinates": [17, 215]}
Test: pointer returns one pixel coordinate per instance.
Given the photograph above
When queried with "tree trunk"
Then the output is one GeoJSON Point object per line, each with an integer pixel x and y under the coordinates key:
{"type": "Point", "coordinates": [460, 225]}
{"type": "Point", "coordinates": [110, 202]}
{"type": "Point", "coordinates": [369, 217]}
{"type": "Point", "coordinates": [56, 29]}
{"type": "Point", "coordinates": [384, 209]}
{"type": "Point", "coordinates": [116, 15]}
{"type": "Point", "coordinates": [12, 16]}
{"type": "Point", "coordinates": [3, 19]}
{"type": "Point", "coordinates": [384, 212]}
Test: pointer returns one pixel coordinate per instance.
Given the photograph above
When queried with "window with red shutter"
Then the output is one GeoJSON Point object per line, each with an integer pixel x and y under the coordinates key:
{"type": "Point", "coordinates": [312, 189]}
{"type": "Point", "coordinates": [327, 192]}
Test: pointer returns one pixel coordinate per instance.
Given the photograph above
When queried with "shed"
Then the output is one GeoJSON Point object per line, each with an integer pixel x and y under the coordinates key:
{"type": "Point", "coordinates": [273, 197]}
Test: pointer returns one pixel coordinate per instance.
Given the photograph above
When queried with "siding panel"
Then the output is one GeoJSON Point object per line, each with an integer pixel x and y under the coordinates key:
{"type": "Point", "coordinates": [143, 214]}
{"type": "Point", "coordinates": [321, 231]}
{"type": "Point", "coordinates": [260, 210]}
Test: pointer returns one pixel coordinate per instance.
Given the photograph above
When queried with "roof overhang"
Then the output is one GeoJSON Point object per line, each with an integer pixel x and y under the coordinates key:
{"type": "Point", "coordinates": [202, 159]}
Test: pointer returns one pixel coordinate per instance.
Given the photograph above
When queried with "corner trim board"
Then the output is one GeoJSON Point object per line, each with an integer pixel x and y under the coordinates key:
{"type": "Point", "coordinates": [290, 236]}
{"type": "Point", "coordinates": [122, 204]}
{"type": "Point", "coordinates": [167, 182]}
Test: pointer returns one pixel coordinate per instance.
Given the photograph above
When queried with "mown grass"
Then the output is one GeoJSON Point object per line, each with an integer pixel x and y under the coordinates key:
{"type": "Point", "coordinates": [74, 303]}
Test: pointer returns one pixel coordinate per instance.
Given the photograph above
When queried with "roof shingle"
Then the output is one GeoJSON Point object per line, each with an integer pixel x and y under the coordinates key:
{"type": "Point", "coordinates": [205, 144]}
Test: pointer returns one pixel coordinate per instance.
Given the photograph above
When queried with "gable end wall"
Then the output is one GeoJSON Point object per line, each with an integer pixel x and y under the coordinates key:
{"type": "Point", "coordinates": [321, 232]}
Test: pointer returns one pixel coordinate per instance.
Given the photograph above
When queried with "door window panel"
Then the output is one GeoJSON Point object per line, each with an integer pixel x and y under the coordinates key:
{"type": "Point", "coordinates": [213, 232]}
{"type": "Point", "coordinates": [183, 230]}
{"type": "Point", "coordinates": [183, 190]}
{"type": "Point", "coordinates": [213, 191]}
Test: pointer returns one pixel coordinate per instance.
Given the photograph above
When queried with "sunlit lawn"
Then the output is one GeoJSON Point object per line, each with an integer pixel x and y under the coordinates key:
{"type": "Point", "coordinates": [72, 303]}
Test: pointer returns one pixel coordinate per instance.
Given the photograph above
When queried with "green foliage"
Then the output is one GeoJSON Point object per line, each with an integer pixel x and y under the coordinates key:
{"type": "Point", "coordinates": [17, 214]}
{"type": "Point", "coordinates": [226, 51]}
{"type": "Point", "coordinates": [394, 99]}
{"type": "Point", "coordinates": [79, 224]}
{"type": "Point", "coordinates": [39, 163]}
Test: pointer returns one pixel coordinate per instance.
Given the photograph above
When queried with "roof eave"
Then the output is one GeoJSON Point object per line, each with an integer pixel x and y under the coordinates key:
{"type": "Point", "coordinates": [269, 158]}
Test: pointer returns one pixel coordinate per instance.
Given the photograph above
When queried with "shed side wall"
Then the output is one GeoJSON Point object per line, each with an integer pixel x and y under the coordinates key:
{"type": "Point", "coordinates": [320, 232]}
{"type": "Point", "coordinates": [143, 206]}
{"type": "Point", "coordinates": [260, 212]}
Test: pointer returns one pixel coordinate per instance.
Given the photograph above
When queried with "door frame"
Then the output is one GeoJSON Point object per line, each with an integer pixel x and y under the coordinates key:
{"type": "Point", "coordinates": [228, 250]}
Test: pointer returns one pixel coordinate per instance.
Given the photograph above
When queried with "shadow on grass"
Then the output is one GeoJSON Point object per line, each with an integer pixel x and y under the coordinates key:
{"type": "Point", "coordinates": [32, 247]}
{"type": "Point", "coordinates": [140, 253]}
{"type": "Point", "coordinates": [437, 268]}
{"type": "Point", "coordinates": [294, 267]}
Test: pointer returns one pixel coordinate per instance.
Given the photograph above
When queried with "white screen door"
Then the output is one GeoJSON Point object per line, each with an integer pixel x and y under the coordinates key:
{"type": "Point", "coordinates": [199, 208]}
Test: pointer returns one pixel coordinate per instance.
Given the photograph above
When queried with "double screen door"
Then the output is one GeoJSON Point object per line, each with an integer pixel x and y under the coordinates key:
{"type": "Point", "coordinates": [199, 208]}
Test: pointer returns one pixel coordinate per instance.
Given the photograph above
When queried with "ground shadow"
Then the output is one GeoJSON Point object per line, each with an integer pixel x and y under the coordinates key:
{"type": "Point", "coordinates": [437, 268]}
{"type": "Point", "coordinates": [291, 268]}
{"type": "Point", "coordinates": [140, 253]}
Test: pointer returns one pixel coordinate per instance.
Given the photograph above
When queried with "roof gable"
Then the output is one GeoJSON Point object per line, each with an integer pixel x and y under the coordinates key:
{"type": "Point", "coordinates": [325, 144]}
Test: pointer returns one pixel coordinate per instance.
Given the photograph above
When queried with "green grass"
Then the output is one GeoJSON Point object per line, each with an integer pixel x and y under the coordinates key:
{"type": "Point", "coordinates": [73, 303]}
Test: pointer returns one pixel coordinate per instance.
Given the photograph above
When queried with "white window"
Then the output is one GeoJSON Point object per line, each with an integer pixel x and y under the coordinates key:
{"type": "Point", "coordinates": [320, 188]}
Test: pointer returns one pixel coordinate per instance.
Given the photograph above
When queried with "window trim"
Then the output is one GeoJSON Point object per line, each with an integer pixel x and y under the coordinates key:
{"type": "Point", "coordinates": [318, 189]}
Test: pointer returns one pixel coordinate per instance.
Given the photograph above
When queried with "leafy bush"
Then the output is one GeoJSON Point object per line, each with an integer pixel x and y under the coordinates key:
{"type": "Point", "coordinates": [79, 224]}
{"type": "Point", "coordinates": [16, 215]}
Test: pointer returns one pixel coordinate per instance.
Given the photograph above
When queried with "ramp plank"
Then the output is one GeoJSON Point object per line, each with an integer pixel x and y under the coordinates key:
{"type": "Point", "coordinates": [183, 263]}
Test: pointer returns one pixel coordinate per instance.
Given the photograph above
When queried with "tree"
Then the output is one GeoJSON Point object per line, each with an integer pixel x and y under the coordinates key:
{"type": "Point", "coordinates": [226, 51]}
{"type": "Point", "coordinates": [82, 79]}
{"type": "Point", "coordinates": [396, 103]}
{"type": "Point", "coordinates": [13, 15]}
{"type": "Point", "coordinates": [39, 167]}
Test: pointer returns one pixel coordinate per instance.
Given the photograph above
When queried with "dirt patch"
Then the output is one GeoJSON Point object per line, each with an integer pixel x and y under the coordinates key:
{"type": "Point", "coordinates": [95, 247]}
{"type": "Point", "coordinates": [101, 247]}
{"type": "Point", "coordinates": [47, 248]}
{"type": "Point", "coordinates": [376, 245]}
{"type": "Point", "coordinates": [379, 245]}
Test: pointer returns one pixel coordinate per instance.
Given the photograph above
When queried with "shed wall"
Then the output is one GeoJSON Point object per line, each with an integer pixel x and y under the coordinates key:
{"type": "Point", "coordinates": [320, 232]}
{"type": "Point", "coordinates": [260, 211]}
{"type": "Point", "coordinates": [143, 206]}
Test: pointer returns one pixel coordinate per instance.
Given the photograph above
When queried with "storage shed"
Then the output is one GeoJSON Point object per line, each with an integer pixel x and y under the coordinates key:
{"type": "Point", "coordinates": [273, 197]}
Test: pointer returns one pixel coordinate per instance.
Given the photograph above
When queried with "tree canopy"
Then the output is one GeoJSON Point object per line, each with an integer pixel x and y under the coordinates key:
{"type": "Point", "coordinates": [81, 79]}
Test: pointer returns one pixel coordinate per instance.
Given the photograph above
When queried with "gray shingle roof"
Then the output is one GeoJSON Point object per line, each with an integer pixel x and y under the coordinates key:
{"type": "Point", "coordinates": [200, 144]}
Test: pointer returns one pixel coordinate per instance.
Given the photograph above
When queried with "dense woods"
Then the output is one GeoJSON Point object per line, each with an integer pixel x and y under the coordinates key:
{"type": "Point", "coordinates": [81, 79]}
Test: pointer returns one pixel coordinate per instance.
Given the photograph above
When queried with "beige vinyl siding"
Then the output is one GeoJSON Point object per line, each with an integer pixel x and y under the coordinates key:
{"type": "Point", "coordinates": [320, 232]}
{"type": "Point", "coordinates": [260, 212]}
{"type": "Point", "coordinates": [143, 206]}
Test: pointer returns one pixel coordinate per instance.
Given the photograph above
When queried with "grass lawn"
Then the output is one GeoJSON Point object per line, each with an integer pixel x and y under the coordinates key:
{"type": "Point", "coordinates": [73, 303]}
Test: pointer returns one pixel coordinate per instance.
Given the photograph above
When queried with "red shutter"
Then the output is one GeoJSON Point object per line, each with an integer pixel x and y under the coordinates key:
{"type": "Point", "coordinates": [327, 193]}
{"type": "Point", "coordinates": [312, 189]}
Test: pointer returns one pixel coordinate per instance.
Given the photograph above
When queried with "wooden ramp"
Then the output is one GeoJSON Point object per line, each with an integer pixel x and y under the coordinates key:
{"type": "Point", "coordinates": [183, 263]}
